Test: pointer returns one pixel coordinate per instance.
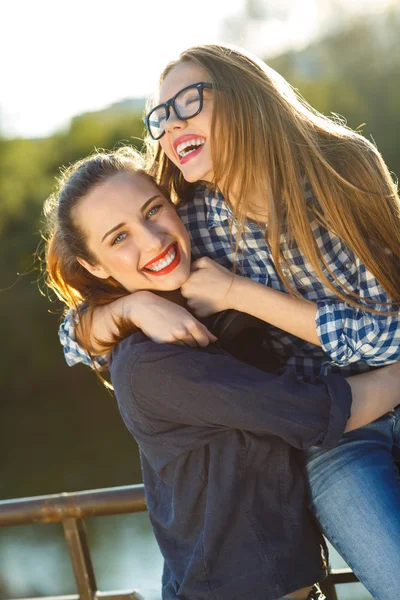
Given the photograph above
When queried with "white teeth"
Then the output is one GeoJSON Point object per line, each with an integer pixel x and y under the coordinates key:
{"type": "Point", "coordinates": [195, 142]}
{"type": "Point", "coordinates": [164, 262]}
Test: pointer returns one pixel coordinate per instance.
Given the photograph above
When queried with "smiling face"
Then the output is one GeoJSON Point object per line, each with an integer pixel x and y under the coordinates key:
{"type": "Point", "coordinates": [135, 234]}
{"type": "Point", "coordinates": [188, 143]}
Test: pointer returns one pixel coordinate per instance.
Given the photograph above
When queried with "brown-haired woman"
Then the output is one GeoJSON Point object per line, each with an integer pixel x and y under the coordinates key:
{"type": "Point", "coordinates": [215, 471]}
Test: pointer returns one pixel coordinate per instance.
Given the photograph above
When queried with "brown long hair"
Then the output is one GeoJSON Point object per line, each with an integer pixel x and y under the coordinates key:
{"type": "Point", "coordinates": [278, 142]}
{"type": "Point", "coordinates": [65, 241]}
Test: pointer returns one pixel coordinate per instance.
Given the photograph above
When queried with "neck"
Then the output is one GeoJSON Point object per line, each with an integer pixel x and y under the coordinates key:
{"type": "Point", "coordinates": [255, 207]}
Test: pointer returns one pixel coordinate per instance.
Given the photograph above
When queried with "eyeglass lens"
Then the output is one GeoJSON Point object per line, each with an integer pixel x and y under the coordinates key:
{"type": "Point", "coordinates": [186, 105]}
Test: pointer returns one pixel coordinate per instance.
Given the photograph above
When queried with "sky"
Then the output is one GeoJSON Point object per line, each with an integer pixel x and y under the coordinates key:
{"type": "Point", "coordinates": [59, 59]}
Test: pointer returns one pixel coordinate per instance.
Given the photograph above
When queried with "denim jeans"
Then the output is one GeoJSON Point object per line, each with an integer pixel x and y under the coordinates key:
{"type": "Point", "coordinates": [355, 495]}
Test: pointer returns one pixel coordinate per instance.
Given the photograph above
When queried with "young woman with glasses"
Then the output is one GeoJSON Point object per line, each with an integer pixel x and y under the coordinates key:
{"type": "Point", "coordinates": [304, 211]}
{"type": "Point", "coordinates": [224, 491]}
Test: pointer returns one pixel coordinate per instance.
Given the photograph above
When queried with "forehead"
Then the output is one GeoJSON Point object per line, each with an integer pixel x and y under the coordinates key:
{"type": "Point", "coordinates": [124, 192]}
{"type": "Point", "coordinates": [182, 75]}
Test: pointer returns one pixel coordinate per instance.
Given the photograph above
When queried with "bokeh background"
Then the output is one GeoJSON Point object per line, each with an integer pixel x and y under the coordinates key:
{"type": "Point", "coordinates": [74, 76]}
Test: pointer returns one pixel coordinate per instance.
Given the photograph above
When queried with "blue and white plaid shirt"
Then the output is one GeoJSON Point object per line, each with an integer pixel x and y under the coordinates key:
{"type": "Point", "coordinates": [352, 340]}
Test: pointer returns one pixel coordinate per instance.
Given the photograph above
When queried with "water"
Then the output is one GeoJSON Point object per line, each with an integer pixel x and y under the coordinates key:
{"type": "Point", "coordinates": [34, 560]}
{"type": "Point", "coordinates": [60, 431]}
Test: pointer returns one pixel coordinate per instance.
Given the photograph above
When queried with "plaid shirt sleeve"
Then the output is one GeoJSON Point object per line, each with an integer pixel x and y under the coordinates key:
{"type": "Point", "coordinates": [73, 352]}
{"type": "Point", "coordinates": [350, 334]}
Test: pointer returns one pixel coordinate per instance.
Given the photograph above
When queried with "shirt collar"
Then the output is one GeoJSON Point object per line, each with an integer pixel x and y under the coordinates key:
{"type": "Point", "coordinates": [217, 210]}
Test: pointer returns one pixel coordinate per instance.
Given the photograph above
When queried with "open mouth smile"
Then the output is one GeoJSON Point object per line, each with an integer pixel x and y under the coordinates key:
{"type": "Point", "coordinates": [188, 147]}
{"type": "Point", "coordinates": [165, 262]}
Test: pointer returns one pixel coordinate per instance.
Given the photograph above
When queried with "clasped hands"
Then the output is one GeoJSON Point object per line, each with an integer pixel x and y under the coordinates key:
{"type": "Point", "coordinates": [209, 289]}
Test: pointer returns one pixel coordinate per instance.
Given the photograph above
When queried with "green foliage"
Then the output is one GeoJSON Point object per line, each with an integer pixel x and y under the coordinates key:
{"type": "Point", "coordinates": [47, 405]}
{"type": "Point", "coordinates": [354, 73]}
{"type": "Point", "coordinates": [100, 130]}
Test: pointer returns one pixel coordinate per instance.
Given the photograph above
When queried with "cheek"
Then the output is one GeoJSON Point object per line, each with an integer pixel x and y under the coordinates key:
{"type": "Point", "coordinates": [167, 149]}
{"type": "Point", "coordinates": [124, 262]}
{"type": "Point", "coordinates": [176, 228]}
{"type": "Point", "coordinates": [186, 239]}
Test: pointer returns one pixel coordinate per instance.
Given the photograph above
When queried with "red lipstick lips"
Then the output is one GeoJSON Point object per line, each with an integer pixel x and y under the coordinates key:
{"type": "Point", "coordinates": [169, 267]}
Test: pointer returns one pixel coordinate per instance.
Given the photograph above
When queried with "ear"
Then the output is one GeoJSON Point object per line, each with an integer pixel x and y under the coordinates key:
{"type": "Point", "coordinates": [97, 271]}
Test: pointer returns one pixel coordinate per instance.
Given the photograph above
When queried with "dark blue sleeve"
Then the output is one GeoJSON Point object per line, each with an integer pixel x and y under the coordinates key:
{"type": "Point", "coordinates": [207, 388]}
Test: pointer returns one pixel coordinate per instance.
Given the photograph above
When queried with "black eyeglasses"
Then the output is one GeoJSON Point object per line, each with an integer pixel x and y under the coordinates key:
{"type": "Point", "coordinates": [187, 103]}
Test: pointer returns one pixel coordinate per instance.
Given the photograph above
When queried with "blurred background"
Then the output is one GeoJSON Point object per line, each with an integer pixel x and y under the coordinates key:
{"type": "Point", "coordinates": [74, 76]}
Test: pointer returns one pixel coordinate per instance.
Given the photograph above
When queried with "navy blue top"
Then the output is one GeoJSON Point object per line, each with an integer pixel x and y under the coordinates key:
{"type": "Point", "coordinates": [224, 490]}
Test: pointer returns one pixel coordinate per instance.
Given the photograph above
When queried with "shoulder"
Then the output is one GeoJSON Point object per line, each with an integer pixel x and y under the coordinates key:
{"type": "Point", "coordinates": [128, 353]}
{"type": "Point", "coordinates": [142, 368]}
{"type": "Point", "coordinates": [148, 378]}
{"type": "Point", "coordinates": [138, 365]}
{"type": "Point", "coordinates": [136, 369]}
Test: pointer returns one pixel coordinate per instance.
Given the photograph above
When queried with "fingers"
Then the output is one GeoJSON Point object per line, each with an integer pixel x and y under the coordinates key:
{"type": "Point", "coordinates": [213, 338]}
{"type": "Point", "coordinates": [184, 290]}
{"type": "Point", "coordinates": [200, 263]}
{"type": "Point", "coordinates": [201, 334]}
{"type": "Point", "coordinates": [189, 287]}
{"type": "Point", "coordinates": [201, 309]}
{"type": "Point", "coordinates": [194, 334]}
{"type": "Point", "coordinates": [201, 306]}
{"type": "Point", "coordinates": [189, 341]}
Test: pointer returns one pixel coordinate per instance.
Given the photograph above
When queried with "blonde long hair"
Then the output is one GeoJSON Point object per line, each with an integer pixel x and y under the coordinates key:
{"type": "Point", "coordinates": [278, 142]}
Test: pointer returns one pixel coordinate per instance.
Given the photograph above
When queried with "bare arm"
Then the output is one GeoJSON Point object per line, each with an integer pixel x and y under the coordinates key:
{"type": "Point", "coordinates": [159, 318]}
{"type": "Point", "coordinates": [374, 394]}
{"type": "Point", "coordinates": [99, 325]}
{"type": "Point", "coordinates": [346, 333]}
{"type": "Point", "coordinates": [211, 288]}
{"type": "Point", "coordinates": [277, 308]}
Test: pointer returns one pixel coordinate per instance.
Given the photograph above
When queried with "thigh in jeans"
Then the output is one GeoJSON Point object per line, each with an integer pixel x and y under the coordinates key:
{"type": "Point", "coordinates": [355, 495]}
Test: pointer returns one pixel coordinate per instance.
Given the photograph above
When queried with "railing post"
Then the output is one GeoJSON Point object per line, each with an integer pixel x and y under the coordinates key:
{"type": "Point", "coordinates": [78, 548]}
{"type": "Point", "coordinates": [328, 588]}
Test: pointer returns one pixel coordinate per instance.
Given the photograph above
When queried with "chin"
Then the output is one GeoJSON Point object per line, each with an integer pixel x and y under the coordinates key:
{"type": "Point", "coordinates": [199, 176]}
{"type": "Point", "coordinates": [191, 179]}
{"type": "Point", "coordinates": [175, 283]}
{"type": "Point", "coordinates": [192, 172]}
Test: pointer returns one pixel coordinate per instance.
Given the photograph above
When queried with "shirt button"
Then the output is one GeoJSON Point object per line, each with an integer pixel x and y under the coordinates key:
{"type": "Point", "coordinates": [286, 271]}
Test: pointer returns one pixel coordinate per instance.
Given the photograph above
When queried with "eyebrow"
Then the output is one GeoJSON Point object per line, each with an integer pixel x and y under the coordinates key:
{"type": "Point", "coordinates": [142, 209]}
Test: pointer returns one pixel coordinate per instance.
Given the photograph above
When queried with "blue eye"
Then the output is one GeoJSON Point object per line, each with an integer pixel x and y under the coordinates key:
{"type": "Point", "coordinates": [120, 238]}
{"type": "Point", "coordinates": [153, 211]}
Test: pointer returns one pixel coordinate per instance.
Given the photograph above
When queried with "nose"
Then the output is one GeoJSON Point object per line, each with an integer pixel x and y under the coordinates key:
{"type": "Point", "coordinates": [173, 123]}
{"type": "Point", "coordinates": [149, 241]}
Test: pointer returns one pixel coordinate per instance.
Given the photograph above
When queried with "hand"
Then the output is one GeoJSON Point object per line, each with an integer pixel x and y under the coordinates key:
{"type": "Point", "coordinates": [166, 322]}
{"type": "Point", "coordinates": [210, 288]}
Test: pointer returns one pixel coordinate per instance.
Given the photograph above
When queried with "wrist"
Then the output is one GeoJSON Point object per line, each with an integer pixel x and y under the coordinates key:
{"type": "Point", "coordinates": [132, 304]}
{"type": "Point", "coordinates": [237, 294]}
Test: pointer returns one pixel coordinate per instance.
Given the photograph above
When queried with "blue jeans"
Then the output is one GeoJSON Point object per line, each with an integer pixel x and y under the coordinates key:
{"type": "Point", "coordinates": [355, 495]}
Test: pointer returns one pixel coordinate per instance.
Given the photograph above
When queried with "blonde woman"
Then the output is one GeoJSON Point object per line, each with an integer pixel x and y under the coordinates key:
{"type": "Point", "coordinates": [304, 212]}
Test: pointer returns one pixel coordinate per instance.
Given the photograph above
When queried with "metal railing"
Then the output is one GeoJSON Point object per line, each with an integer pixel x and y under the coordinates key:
{"type": "Point", "coordinates": [71, 509]}
{"type": "Point", "coordinates": [336, 576]}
